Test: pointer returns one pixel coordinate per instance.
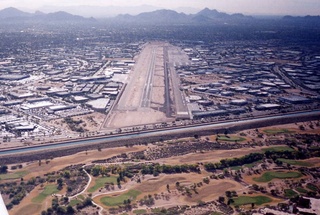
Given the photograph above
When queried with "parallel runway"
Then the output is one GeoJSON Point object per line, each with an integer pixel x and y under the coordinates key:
{"type": "Point", "coordinates": [146, 96]}
{"type": "Point", "coordinates": [294, 117]}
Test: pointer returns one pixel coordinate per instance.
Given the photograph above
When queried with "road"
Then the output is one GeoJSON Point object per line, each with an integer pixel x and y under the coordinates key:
{"type": "Point", "coordinates": [295, 117]}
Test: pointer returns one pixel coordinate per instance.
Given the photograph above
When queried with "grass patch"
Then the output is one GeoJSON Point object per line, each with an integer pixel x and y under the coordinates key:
{"type": "Point", "coordinates": [312, 187]}
{"type": "Point", "coordinates": [301, 190]}
{"type": "Point", "coordinates": [118, 200]}
{"type": "Point", "coordinates": [268, 176]}
{"type": "Point", "coordinates": [47, 191]}
{"type": "Point", "coordinates": [279, 149]}
{"type": "Point", "coordinates": [278, 131]}
{"type": "Point", "coordinates": [290, 193]}
{"type": "Point", "coordinates": [15, 175]}
{"type": "Point", "coordinates": [258, 200]}
{"type": "Point", "coordinates": [74, 202]}
{"type": "Point", "coordinates": [216, 213]}
{"type": "Point", "coordinates": [295, 162]}
{"type": "Point", "coordinates": [250, 165]}
{"type": "Point", "coordinates": [235, 168]}
{"type": "Point", "coordinates": [100, 182]}
{"type": "Point", "coordinates": [141, 211]}
{"type": "Point", "coordinates": [81, 197]}
{"type": "Point", "coordinates": [231, 138]}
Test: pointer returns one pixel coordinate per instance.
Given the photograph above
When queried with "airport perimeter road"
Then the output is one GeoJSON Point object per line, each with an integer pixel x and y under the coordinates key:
{"type": "Point", "coordinates": [244, 124]}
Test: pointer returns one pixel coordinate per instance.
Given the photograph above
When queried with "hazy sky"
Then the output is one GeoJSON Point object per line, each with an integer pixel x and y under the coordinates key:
{"type": "Point", "coordinates": [276, 7]}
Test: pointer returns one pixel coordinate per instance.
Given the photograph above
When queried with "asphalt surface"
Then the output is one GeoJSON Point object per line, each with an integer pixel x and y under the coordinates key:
{"type": "Point", "coordinates": [146, 96]}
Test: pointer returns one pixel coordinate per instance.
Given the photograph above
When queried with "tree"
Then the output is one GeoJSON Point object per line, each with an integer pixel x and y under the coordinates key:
{"type": "Point", "coordinates": [70, 210]}
{"type": "Point", "coordinates": [67, 174]}
{"type": "Point", "coordinates": [221, 199]}
{"type": "Point", "coordinates": [177, 184]}
{"type": "Point", "coordinates": [230, 201]}
{"type": "Point", "coordinates": [3, 169]}
{"type": "Point", "coordinates": [228, 194]}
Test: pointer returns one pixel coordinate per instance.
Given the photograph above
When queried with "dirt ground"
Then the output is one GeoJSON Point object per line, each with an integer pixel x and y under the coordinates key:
{"type": "Point", "coordinates": [213, 190]}
{"type": "Point", "coordinates": [79, 158]}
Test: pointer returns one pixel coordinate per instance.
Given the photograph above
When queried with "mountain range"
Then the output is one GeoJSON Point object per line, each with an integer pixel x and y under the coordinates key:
{"type": "Point", "coordinates": [162, 16]}
{"type": "Point", "coordinates": [172, 17]}
{"type": "Point", "coordinates": [13, 14]}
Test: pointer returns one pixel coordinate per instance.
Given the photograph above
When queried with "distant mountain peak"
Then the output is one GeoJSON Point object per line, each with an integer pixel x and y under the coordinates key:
{"type": "Point", "coordinates": [12, 12]}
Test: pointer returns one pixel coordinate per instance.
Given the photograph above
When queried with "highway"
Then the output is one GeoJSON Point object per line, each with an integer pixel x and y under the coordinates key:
{"type": "Point", "coordinates": [296, 117]}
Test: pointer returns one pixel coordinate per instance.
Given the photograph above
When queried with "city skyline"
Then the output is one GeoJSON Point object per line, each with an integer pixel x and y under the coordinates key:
{"type": "Point", "coordinates": [251, 7]}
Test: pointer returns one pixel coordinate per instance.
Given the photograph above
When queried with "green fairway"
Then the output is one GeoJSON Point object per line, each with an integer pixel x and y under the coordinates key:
{"type": "Point", "coordinates": [118, 200]}
{"type": "Point", "coordinates": [216, 213]}
{"type": "Point", "coordinates": [250, 165]}
{"type": "Point", "coordinates": [47, 191]}
{"type": "Point", "coordinates": [74, 202]}
{"type": "Point", "coordinates": [295, 162]}
{"type": "Point", "coordinates": [234, 168]}
{"type": "Point", "coordinates": [301, 190]}
{"type": "Point", "coordinates": [81, 197]}
{"type": "Point", "coordinates": [290, 193]}
{"type": "Point", "coordinates": [141, 211]}
{"type": "Point", "coordinates": [100, 182]}
{"type": "Point", "coordinates": [258, 200]}
{"type": "Point", "coordinates": [312, 187]}
{"type": "Point", "coordinates": [279, 149]}
{"type": "Point", "coordinates": [15, 175]}
{"type": "Point", "coordinates": [278, 131]}
{"type": "Point", "coordinates": [231, 138]}
{"type": "Point", "coordinates": [268, 176]}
